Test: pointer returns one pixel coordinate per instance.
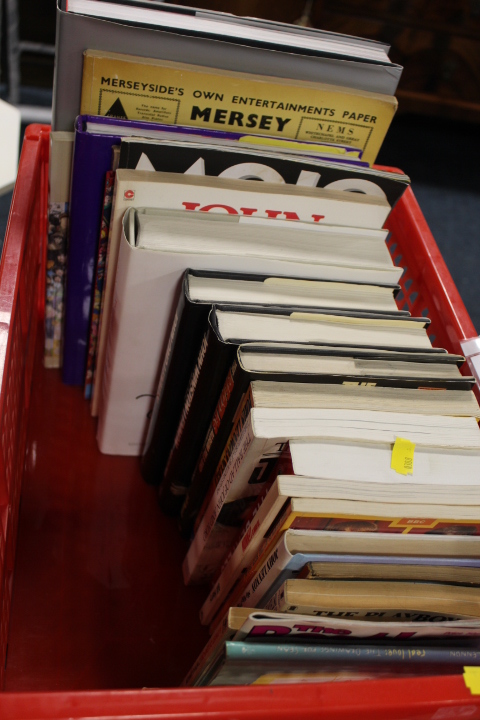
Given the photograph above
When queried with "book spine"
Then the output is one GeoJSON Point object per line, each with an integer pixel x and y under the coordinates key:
{"type": "Point", "coordinates": [60, 164]}
{"type": "Point", "coordinates": [277, 600]}
{"type": "Point", "coordinates": [92, 160]}
{"type": "Point", "coordinates": [234, 387]}
{"type": "Point", "coordinates": [255, 534]}
{"type": "Point", "coordinates": [239, 442]}
{"type": "Point", "coordinates": [101, 348]}
{"type": "Point", "coordinates": [240, 419]}
{"type": "Point", "coordinates": [274, 562]}
{"type": "Point", "coordinates": [99, 278]}
{"type": "Point", "coordinates": [264, 652]}
{"type": "Point", "coordinates": [271, 567]}
{"type": "Point", "coordinates": [57, 238]}
{"type": "Point", "coordinates": [177, 157]}
{"type": "Point", "coordinates": [200, 399]}
{"type": "Point", "coordinates": [376, 111]}
{"type": "Point", "coordinates": [248, 470]}
{"type": "Point", "coordinates": [188, 327]}
{"type": "Point", "coordinates": [209, 653]}
{"type": "Point", "coordinates": [231, 518]}
{"type": "Point", "coordinates": [117, 326]}
{"type": "Point", "coordinates": [268, 570]}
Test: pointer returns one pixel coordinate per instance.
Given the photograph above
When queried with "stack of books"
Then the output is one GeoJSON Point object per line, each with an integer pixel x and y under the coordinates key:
{"type": "Point", "coordinates": [230, 310]}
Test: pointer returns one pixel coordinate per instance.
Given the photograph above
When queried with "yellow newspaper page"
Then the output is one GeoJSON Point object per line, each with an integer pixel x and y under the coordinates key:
{"type": "Point", "coordinates": [136, 88]}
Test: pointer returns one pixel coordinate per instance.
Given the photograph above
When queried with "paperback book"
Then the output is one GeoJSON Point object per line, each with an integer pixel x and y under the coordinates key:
{"type": "Point", "coordinates": [247, 158]}
{"type": "Point", "coordinates": [313, 364]}
{"type": "Point", "coordinates": [306, 504]}
{"type": "Point", "coordinates": [261, 434]}
{"type": "Point", "coordinates": [246, 663]}
{"type": "Point", "coordinates": [249, 624]}
{"type": "Point", "coordinates": [376, 599]}
{"type": "Point", "coordinates": [284, 559]}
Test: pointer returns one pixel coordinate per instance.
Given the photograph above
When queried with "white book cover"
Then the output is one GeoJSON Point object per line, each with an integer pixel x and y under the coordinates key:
{"type": "Point", "coordinates": [146, 291]}
{"type": "Point", "coordinates": [166, 190]}
{"type": "Point", "coordinates": [135, 188]}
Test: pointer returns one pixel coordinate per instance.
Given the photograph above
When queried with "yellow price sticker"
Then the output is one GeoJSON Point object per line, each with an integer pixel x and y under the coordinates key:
{"type": "Point", "coordinates": [402, 456]}
{"type": "Point", "coordinates": [471, 676]}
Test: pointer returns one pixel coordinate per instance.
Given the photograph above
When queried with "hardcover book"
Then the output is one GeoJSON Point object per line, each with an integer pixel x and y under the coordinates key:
{"type": "Point", "coordinates": [75, 32]}
{"type": "Point", "coordinates": [158, 132]}
{"type": "Point", "coordinates": [251, 245]}
{"type": "Point", "coordinates": [253, 31]}
{"type": "Point", "coordinates": [243, 159]}
{"type": "Point", "coordinates": [199, 292]}
{"type": "Point", "coordinates": [310, 364]}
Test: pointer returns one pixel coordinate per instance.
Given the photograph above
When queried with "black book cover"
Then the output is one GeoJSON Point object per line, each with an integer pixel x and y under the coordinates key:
{"type": "Point", "coordinates": [188, 327]}
{"type": "Point", "coordinates": [207, 375]}
{"type": "Point", "coordinates": [182, 349]}
{"type": "Point", "coordinates": [206, 378]}
{"type": "Point", "coordinates": [242, 163]}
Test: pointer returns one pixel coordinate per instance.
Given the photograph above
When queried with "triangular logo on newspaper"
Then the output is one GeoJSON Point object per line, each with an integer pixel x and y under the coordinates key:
{"type": "Point", "coordinates": [117, 110]}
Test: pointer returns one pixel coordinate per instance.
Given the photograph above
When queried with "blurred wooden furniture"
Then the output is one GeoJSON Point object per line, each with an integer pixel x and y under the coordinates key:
{"type": "Point", "coordinates": [436, 41]}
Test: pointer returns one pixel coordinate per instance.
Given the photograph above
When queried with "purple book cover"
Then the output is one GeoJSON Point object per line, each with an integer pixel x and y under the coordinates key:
{"type": "Point", "coordinates": [91, 160]}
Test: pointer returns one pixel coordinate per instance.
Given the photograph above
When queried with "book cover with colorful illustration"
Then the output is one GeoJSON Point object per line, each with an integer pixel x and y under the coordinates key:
{"type": "Point", "coordinates": [99, 282]}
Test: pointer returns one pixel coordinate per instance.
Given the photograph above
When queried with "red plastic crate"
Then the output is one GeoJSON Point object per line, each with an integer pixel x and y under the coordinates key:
{"type": "Point", "coordinates": [90, 533]}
